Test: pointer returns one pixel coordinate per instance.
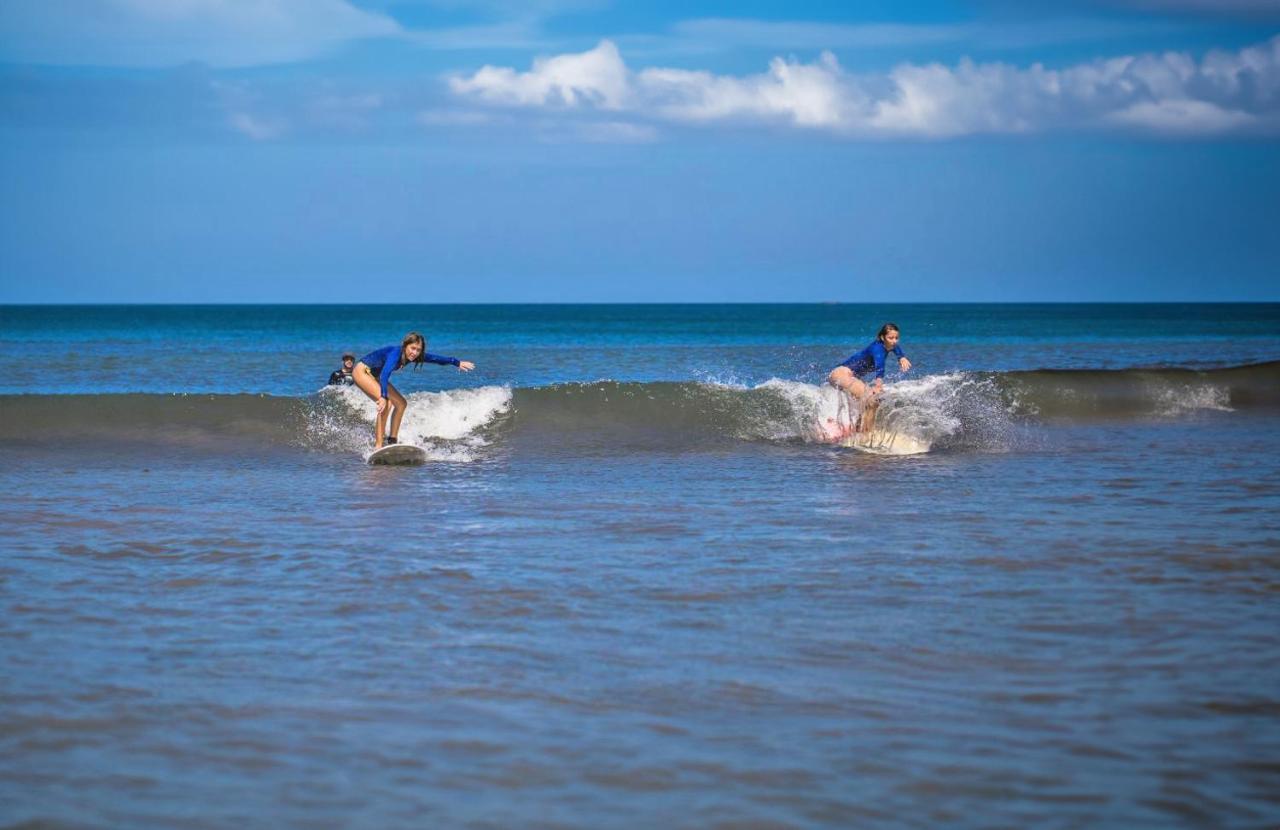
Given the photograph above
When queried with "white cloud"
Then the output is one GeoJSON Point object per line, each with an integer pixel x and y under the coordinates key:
{"type": "Point", "coordinates": [595, 78]}
{"type": "Point", "coordinates": [1169, 93]}
{"type": "Point", "coordinates": [1191, 117]}
{"type": "Point", "coordinates": [170, 32]}
{"type": "Point", "coordinates": [807, 95]}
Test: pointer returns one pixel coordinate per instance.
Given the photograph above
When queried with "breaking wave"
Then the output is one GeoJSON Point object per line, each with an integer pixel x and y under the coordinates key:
{"type": "Point", "coordinates": [959, 410]}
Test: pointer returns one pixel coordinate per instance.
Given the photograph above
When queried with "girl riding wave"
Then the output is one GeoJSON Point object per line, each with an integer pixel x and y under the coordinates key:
{"type": "Point", "coordinates": [373, 376]}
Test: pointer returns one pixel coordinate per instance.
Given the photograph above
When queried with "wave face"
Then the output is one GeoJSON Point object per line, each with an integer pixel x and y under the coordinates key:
{"type": "Point", "coordinates": [450, 424]}
{"type": "Point", "coordinates": [1072, 394]}
{"type": "Point", "coordinates": [961, 410]}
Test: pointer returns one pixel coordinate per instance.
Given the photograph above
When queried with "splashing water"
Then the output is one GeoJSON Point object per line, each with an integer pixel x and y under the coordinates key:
{"type": "Point", "coordinates": [953, 409]}
{"type": "Point", "coordinates": [448, 424]}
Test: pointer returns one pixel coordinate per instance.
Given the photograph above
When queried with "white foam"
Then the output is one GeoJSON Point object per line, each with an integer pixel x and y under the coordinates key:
{"type": "Point", "coordinates": [723, 379]}
{"type": "Point", "coordinates": [446, 424]}
{"type": "Point", "coordinates": [924, 409]}
{"type": "Point", "coordinates": [819, 413]}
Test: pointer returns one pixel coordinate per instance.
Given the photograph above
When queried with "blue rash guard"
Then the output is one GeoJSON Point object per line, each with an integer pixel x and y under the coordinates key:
{"type": "Point", "coordinates": [386, 360]}
{"type": "Point", "coordinates": [872, 357]}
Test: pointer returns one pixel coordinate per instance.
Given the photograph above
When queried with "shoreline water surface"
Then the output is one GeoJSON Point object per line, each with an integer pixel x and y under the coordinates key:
{"type": "Point", "coordinates": [630, 588]}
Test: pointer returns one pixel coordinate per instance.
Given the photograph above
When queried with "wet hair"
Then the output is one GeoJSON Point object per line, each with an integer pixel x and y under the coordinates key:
{"type": "Point", "coordinates": [413, 337]}
{"type": "Point", "coordinates": [884, 331]}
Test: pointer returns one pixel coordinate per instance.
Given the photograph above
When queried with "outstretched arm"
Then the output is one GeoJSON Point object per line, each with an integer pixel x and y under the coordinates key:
{"type": "Point", "coordinates": [464, 365]}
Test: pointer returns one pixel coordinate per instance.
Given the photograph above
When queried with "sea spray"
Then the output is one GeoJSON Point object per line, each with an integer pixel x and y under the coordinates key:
{"type": "Point", "coordinates": [939, 410]}
{"type": "Point", "coordinates": [448, 424]}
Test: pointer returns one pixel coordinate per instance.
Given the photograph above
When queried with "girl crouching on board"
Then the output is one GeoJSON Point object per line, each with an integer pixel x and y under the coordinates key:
{"type": "Point", "coordinates": [373, 376]}
{"type": "Point", "coordinates": [845, 376]}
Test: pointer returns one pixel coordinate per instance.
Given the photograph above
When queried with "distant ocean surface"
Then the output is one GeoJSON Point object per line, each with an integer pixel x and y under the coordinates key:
{"type": "Point", "coordinates": [633, 586]}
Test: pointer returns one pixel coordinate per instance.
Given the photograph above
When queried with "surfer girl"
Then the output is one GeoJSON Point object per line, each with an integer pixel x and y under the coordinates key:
{"type": "Point", "coordinates": [846, 376]}
{"type": "Point", "coordinates": [373, 376]}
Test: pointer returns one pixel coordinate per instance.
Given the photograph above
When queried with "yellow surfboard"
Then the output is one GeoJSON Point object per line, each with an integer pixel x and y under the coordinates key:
{"type": "Point", "coordinates": [885, 442]}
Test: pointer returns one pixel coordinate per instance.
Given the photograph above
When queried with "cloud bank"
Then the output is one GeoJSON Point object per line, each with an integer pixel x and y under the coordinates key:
{"type": "Point", "coordinates": [1170, 93]}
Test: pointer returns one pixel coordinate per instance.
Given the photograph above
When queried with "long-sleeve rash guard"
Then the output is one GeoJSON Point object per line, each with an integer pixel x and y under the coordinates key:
{"type": "Point", "coordinates": [872, 357]}
{"type": "Point", "coordinates": [386, 360]}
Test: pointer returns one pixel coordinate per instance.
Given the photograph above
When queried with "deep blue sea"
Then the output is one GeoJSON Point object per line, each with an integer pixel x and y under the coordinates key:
{"type": "Point", "coordinates": [634, 585]}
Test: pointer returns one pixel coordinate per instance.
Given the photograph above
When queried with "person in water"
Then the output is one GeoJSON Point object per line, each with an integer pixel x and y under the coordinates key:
{"type": "Point", "coordinates": [373, 376]}
{"type": "Point", "coordinates": [846, 376]}
{"type": "Point", "coordinates": [344, 375]}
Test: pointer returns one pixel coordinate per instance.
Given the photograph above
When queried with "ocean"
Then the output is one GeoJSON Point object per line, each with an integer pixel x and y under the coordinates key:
{"type": "Point", "coordinates": [633, 586]}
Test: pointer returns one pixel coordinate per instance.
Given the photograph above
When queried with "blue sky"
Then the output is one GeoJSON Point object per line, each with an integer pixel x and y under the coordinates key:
{"type": "Point", "coordinates": [585, 150]}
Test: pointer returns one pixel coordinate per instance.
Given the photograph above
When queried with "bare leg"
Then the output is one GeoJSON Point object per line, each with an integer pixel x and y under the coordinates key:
{"type": "Point", "coordinates": [369, 385]}
{"type": "Point", "coordinates": [869, 414]}
{"type": "Point", "coordinates": [397, 400]}
{"type": "Point", "coordinates": [842, 378]}
{"type": "Point", "coordinates": [870, 406]}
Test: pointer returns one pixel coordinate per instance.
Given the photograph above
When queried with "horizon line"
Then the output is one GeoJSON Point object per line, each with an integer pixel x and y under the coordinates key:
{"type": "Point", "coordinates": [232, 304]}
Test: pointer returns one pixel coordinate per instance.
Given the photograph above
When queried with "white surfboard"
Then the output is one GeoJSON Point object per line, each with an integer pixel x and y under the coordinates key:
{"type": "Point", "coordinates": [398, 454]}
{"type": "Point", "coordinates": [885, 442]}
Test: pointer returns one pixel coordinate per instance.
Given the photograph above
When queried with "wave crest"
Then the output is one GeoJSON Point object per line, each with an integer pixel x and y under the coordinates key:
{"type": "Point", "coordinates": [450, 424]}
{"type": "Point", "coordinates": [959, 410]}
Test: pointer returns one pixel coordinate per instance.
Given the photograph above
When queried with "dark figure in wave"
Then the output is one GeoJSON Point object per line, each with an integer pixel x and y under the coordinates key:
{"type": "Point", "coordinates": [344, 375]}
